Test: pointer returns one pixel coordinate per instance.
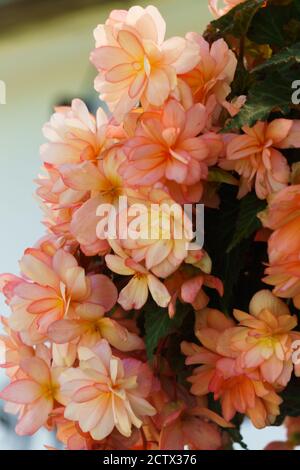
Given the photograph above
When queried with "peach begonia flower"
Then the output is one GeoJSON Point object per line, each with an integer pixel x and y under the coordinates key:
{"type": "Point", "coordinates": [158, 233]}
{"type": "Point", "coordinates": [167, 146]}
{"type": "Point", "coordinates": [212, 76]}
{"type": "Point", "coordinates": [134, 61]}
{"type": "Point", "coordinates": [283, 207]}
{"type": "Point", "coordinates": [105, 392]}
{"type": "Point", "coordinates": [12, 351]}
{"type": "Point", "coordinates": [263, 338]}
{"type": "Point", "coordinates": [284, 276]}
{"type": "Point", "coordinates": [184, 420]}
{"type": "Point", "coordinates": [255, 157]}
{"type": "Point", "coordinates": [64, 355]}
{"type": "Point", "coordinates": [214, 6]}
{"type": "Point", "coordinates": [35, 394]}
{"type": "Point", "coordinates": [58, 203]}
{"type": "Point", "coordinates": [259, 400]}
{"type": "Point", "coordinates": [70, 434]}
{"type": "Point", "coordinates": [75, 135]}
{"type": "Point", "coordinates": [187, 285]}
{"type": "Point", "coordinates": [135, 294]}
{"type": "Point", "coordinates": [283, 216]}
{"type": "Point", "coordinates": [53, 191]}
{"type": "Point", "coordinates": [53, 288]}
{"type": "Point", "coordinates": [105, 186]}
{"type": "Point", "coordinates": [183, 426]}
{"type": "Point", "coordinates": [239, 390]}
{"type": "Point", "coordinates": [89, 326]}
{"type": "Point", "coordinates": [60, 210]}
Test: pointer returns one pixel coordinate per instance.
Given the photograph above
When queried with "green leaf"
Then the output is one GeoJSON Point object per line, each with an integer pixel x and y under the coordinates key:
{"type": "Point", "coordinates": [237, 437]}
{"type": "Point", "coordinates": [241, 269]}
{"type": "Point", "coordinates": [217, 175]}
{"type": "Point", "coordinates": [276, 25]}
{"type": "Point", "coordinates": [288, 56]}
{"type": "Point", "coordinates": [247, 222]}
{"type": "Point", "coordinates": [238, 20]}
{"type": "Point", "coordinates": [159, 325]}
{"type": "Point", "coordinates": [274, 93]}
{"type": "Point", "coordinates": [291, 401]}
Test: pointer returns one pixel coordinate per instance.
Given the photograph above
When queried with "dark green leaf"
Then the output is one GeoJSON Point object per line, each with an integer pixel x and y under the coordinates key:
{"type": "Point", "coordinates": [289, 55]}
{"type": "Point", "coordinates": [291, 401]}
{"type": "Point", "coordinates": [242, 268]}
{"type": "Point", "coordinates": [233, 265]}
{"type": "Point", "coordinates": [158, 325]}
{"type": "Point", "coordinates": [274, 93]}
{"type": "Point", "coordinates": [217, 175]}
{"type": "Point", "coordinates": [247, 222]}
{"type": "Point", "coordinates": [275, 24]}
{"type": "Point", "coordinates": [237, 437]}
{"type": "Point", "coordinates": [238, 19]}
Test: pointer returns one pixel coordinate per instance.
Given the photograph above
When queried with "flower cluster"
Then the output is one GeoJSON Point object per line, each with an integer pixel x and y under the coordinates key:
{"type": "Point", "coordinates": [76, 346]}
{"type": "Point", "coordinates": [244, 365]}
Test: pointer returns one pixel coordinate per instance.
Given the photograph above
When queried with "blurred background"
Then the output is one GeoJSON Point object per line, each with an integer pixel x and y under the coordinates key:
{"type": "Point", "coordinates": [44, 61]}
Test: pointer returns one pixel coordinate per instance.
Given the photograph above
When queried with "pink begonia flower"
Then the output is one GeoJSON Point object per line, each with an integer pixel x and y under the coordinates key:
{"type": "Point", "coordinates": [54, 287]}
{"type": "Point", "coordinates": [168, 146]}
{"type": "Point", "coordinates": [158, 233]}
{"type": "Point", "coordinates": [264, 338]}
{"type": "Point", "coordinates": [35, 394]}
{"type": "Point", "coordinates": [255, 157]}
{"type": "Point", "coordinates": [75, 135]}
{"type": "Point", "coordinates": [105, 392]}
{"type": "Point", "coordinates": [135, 294]}
{"type": "Point", "coordinates": [227, 6]}
{"type": "Point", "coordinates": [212, 76]}
{"type": "Point", "coordinates": [238, 389]}
{"type": "Point", "coordinates": [134, 61]}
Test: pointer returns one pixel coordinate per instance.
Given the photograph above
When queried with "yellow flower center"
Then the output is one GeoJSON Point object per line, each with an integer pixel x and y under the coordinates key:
{"type": "Point", "coordinates": [49, 390]}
